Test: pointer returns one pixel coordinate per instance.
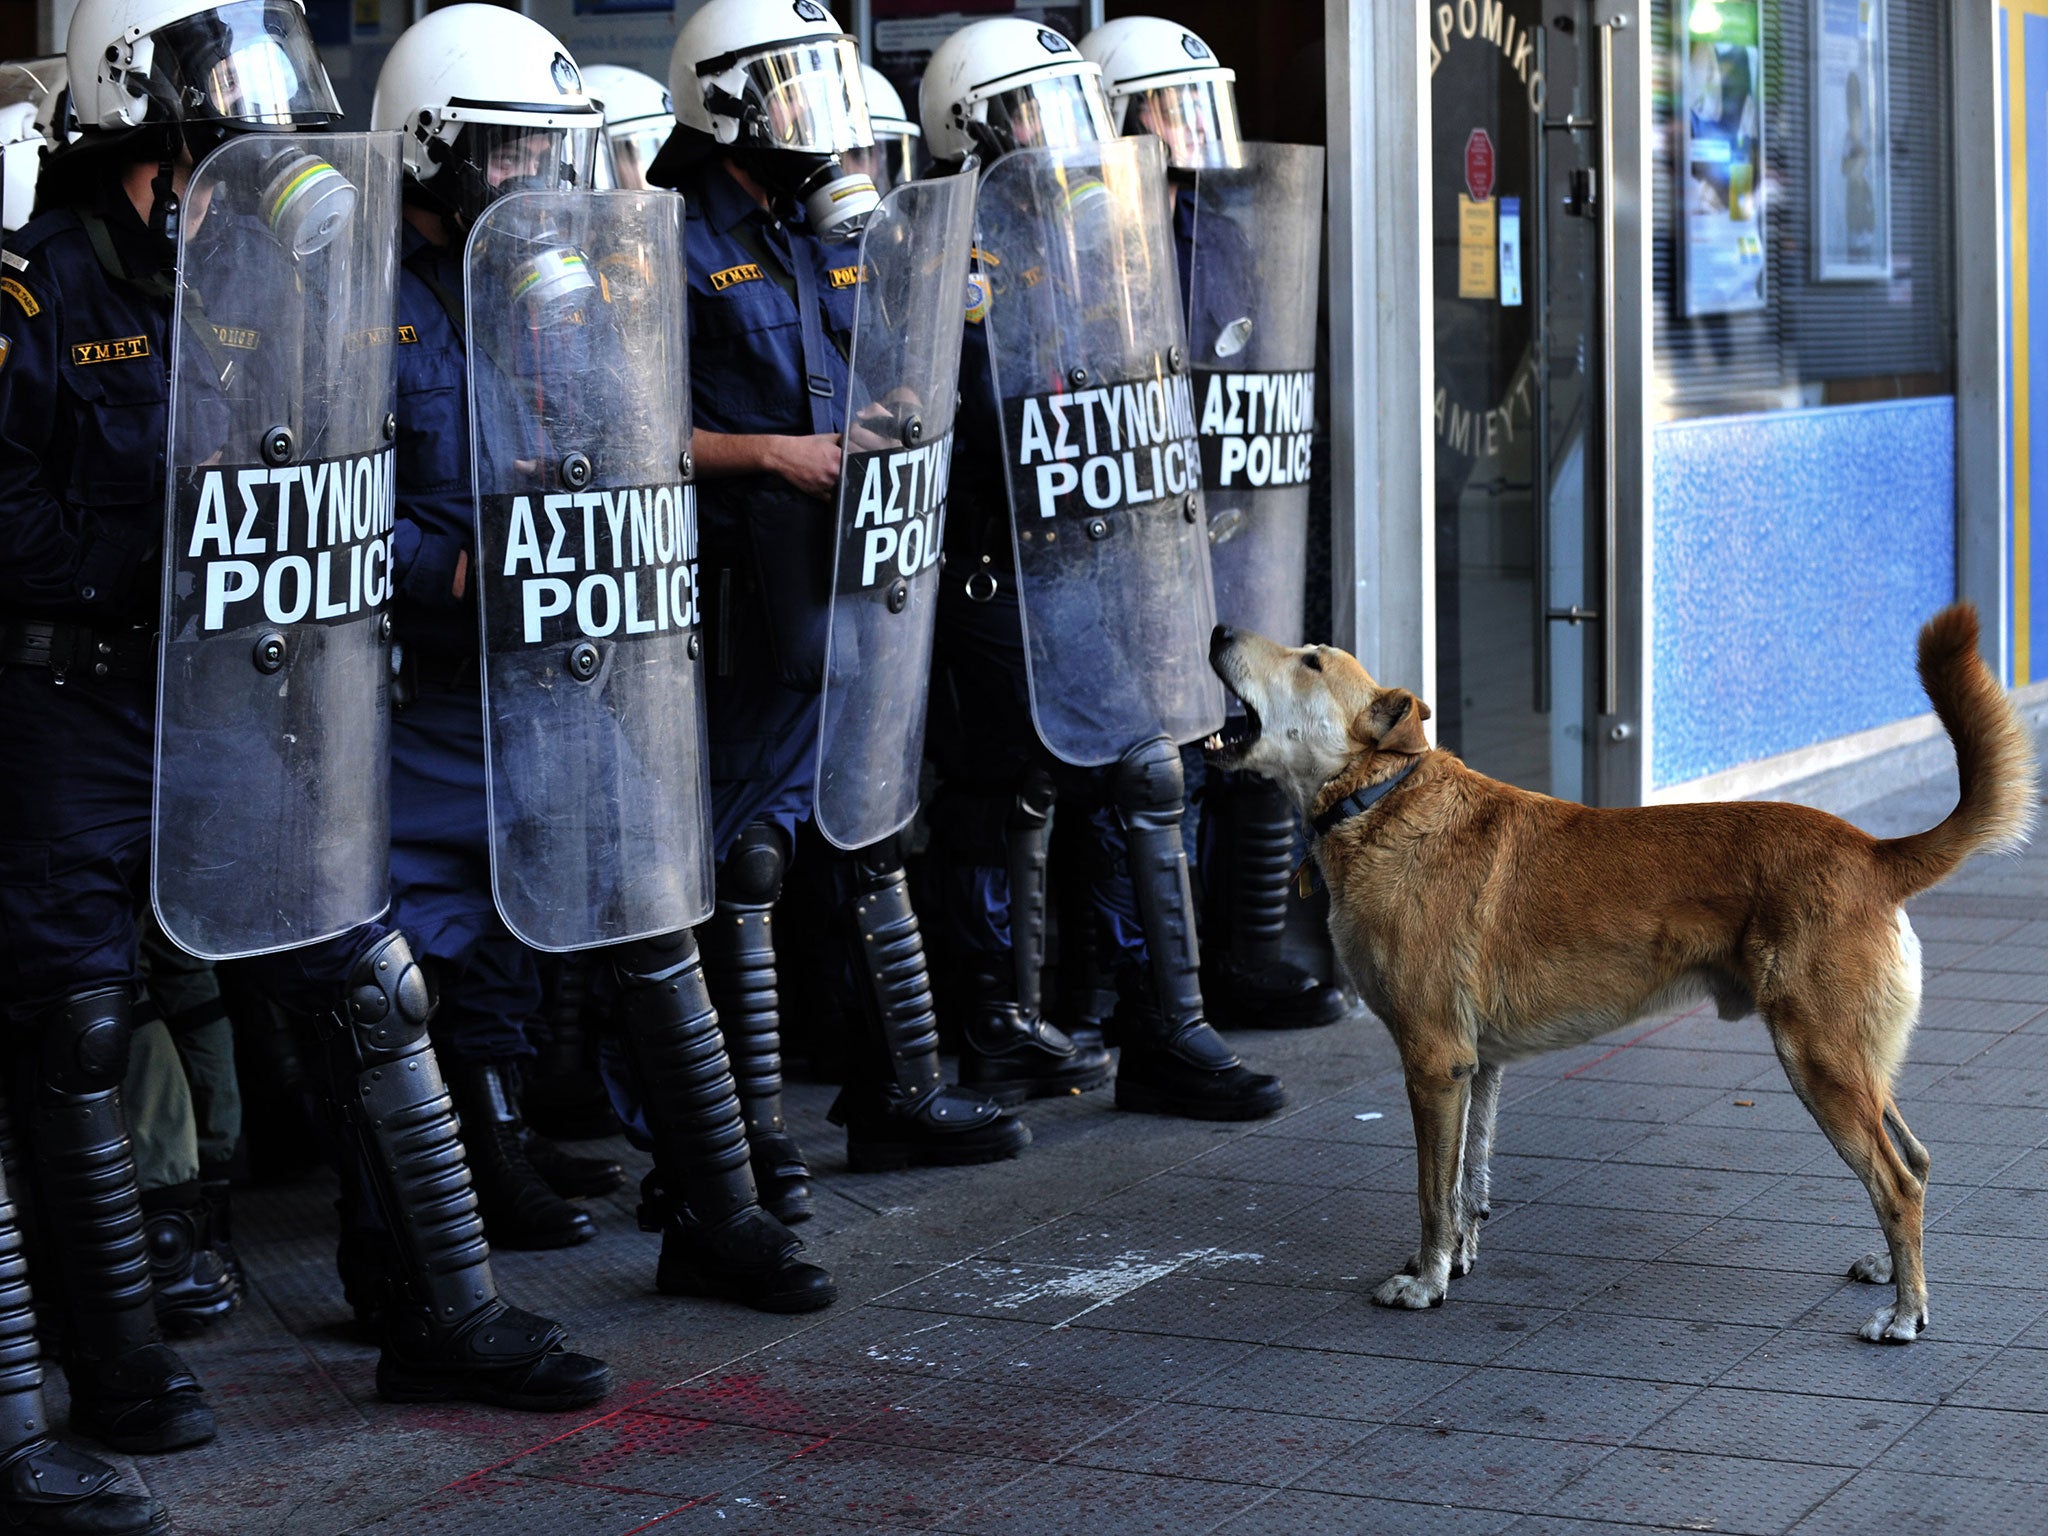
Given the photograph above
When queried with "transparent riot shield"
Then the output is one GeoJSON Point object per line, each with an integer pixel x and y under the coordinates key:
{"type": "Point", "coordinates": [272, 814]}
{"type": "Point", "coordinates": [905, 367]}
{"type": "Point", "coordinates": [1257, 241]}
{"type": "Point", "coordinates": [1089, 348]}
{"type": "Point", "coordinates": [579, 383]}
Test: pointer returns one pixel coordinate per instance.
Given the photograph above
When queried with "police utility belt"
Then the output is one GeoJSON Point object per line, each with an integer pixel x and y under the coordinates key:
{"type": "Point", "coordinates": [124, 654]}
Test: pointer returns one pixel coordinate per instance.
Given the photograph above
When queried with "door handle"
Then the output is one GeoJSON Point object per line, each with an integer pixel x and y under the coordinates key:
{"type": "Point", "coordinates": [1611, 20]}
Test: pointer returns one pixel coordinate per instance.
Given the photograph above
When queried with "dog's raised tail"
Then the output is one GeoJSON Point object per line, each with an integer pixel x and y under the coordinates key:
{"type": "Point", "coordinates": [1994, 758]}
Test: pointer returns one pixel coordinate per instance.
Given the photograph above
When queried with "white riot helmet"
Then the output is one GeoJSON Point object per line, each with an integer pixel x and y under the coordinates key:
{"type": "Point", "coordinates": [779, 85]}
{"type": "Point", "coordinates": [1162, 79]}
{"type": "Point", "coordinates": [898, 152]}
{"type": "Point", "coordinates": [1005, 84]}
{"type": "Point", "coordinates": [21, 150]}
{"type": "Point", "coordinates": [637, 120]}
{"type": "Point", "coordinates": [488, 102]}
{"type": "Point", "coordinates": [210, 67]}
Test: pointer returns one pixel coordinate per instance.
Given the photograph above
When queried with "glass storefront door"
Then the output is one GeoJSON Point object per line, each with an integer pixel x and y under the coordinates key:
{"type": "Point", "coordinates": [1521, 527]}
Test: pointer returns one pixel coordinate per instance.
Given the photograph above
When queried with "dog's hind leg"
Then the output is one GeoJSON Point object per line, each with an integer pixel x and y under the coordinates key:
{"type": "Point", "coordinates": [1476, 1192]}
{"type": "Point", "coordinates": [1439, 1098]}
{"type": "Point", "coordinates": [1849, 1098]}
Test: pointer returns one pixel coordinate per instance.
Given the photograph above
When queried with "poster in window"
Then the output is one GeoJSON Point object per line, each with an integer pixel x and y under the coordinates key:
{"type": "Point", "coordinates": [1721, 117]}
{"type": "Point", "coordinates": [1852, 163]}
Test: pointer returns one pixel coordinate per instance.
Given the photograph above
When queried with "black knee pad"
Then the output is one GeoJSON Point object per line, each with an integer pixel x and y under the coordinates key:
{"type": "Point", "coordinates": [388, 1000]}
{"type": "Point", "coordinates": [1031, 808]}
{"type": "Point", "coordinates": [650, 961]}
{"type": "Point", "coordinates": [1147, 782]}
{"type": "Point", "coordinates": [752, 873]}
{"type": "Point", "coordinates": [85, 1040]}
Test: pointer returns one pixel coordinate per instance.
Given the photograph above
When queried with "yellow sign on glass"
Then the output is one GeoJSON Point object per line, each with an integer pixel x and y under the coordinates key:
{"type": "Point", "coordinates": [1478, 258]}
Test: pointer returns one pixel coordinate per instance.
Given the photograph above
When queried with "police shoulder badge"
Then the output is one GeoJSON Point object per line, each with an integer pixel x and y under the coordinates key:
{"type": "Point", "coordinates": [17, 290]}
{"type": "Point", "coordinates": [978, 292]}
{"type": "Point", "coordinates": [6, 346]}
{"type": "Point", "coordinates": [118, 349]}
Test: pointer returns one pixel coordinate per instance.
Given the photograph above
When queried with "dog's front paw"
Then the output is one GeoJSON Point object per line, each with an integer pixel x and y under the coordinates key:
{"type": "Point", "coordinates": [1412, 1291]}
{"type": "Point", "coordinates": [1888, 1325]}
{"type": "Point", "coordinates": [1872, 1269]}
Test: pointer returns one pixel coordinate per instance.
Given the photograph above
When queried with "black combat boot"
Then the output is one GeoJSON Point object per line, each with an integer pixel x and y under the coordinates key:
{"type": "Point", "coordinates": [716, 1240]}
{"type": "Point", "coordinates": [194, 1286]}
{"type": "Point", "coordinates": [447, 1334]}
{"type": "Point", "coordinates": [47, 1487]}
{"type": "Point", "coordinates": [739, 964]}
{"type": "Point", "coordinates": [1247, 981]}
{"type": "Point", "coordinates": [1173, 1063]}
{"type": "Point", "coordinates": [216, 1194]}
{"type": "Point", "coordinates": [1009, 1052]}
{"type": "Point", "coordinates": [519, 1210]}
{"type": "Point", "coordinates": [568, 1174]}
{"type": "Point", "coordinates": [129, 1390]}
{"type": "Point", "coordinates": [898, 1109]}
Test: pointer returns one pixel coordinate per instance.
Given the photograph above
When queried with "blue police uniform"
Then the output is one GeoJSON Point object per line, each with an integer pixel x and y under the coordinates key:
{"type": "Point", "coordinates": [440, 825]}
{"type": "Point", "coordinates": [763, 363]}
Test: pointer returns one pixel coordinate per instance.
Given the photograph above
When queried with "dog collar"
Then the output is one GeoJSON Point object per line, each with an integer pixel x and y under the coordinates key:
{"type": "Point", "coordinates": [1359, 802]}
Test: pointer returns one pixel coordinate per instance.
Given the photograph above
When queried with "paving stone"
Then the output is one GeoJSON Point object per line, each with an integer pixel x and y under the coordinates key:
{"type": "Point", "coordinates": [2011, 986]}
{"type": "Point", "coordinates": [1912, 1505]}
{"type": "Point", "coordinates": [1783, 1426]}
{"type": "Point", "coordinates": [1523, 1277]}
{"type": "Point", "coordinates": [1197, 1306]}
{"type": "Point", "coordinates": [1238, 1445]}
{"type": "Point", "coordinates": [1766, 1104]}
{"type": "Point", "coordinates": [1511, 1472]}
{"type": "Point", "coordinates": [1962, 1314]}
{"type": "Point", "coordinates": [1842, 1365]}
{"type": "Point", "coordinates": [1953, 1046]}
{"type": "Point", "coordinates": [1976, 1083]}
{"type": "Point", "coordinates": [1026, 1421]}
{"type": "Point", "coordinates": [2016, 1379]}
{"type": "Point", "coordinates": [1139, 1366]}
{"type": "Point", "coordinates": [518, 1506]}
{"type": "Point", "coordinates": [1589, 1098]}
{"type": "Point", "coordinates": [873, 1484]}
{"type": "Point", "coordinates": [1957, 1013]}
{"type": "Point", "coordinates": [1297, 1512]}
{"type": "Point", "coordinates": [1641, 1187]}
{"type": "Point", "coordinates": [1555, 1227]}
{"type": "Point", "coordinates": [1712, 1294]}
{"type": "Point", "coordinates": [1059, 1501]}
{"type": "Point", "coordinates": [1728, 1147]}
{"type": "Point", "coordinates": [1550, 1405]}
{"type": "Point", "coordinates": [1642, 1348]}
{"type": "Point", "coordinates": [655, 1453]}
{"type": "Point", "coordinates": [1664, 1487]}
{"type": "Point", "coordinates": [1281, 1380]}
{"type": "Point", "coordinates": [1528, 1133]}
{"type": "Point", "coordinates": [1467, 1332]}
{"type": "Point", "coordinates": [1972, 1442]}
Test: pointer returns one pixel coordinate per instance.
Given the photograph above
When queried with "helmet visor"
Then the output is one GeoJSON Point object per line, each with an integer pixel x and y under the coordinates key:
{"type": "Point", "coordinates": [634, 146]}
{"type": "Point", "coordinates": [1198, 121]}
{"type": "Point", "coordinates": [1057, 112]}
{"type": "Point", "coordinates": [510, 157]}
{"type": "Point", "coordinates": [893, 160]}
{"type": "Point", "coordinates": [250, 62]}
{"type": "Point", "coordinates": [807, 96]}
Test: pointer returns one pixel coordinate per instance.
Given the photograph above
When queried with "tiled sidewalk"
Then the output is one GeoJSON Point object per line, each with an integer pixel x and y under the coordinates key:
{"type": "Point", "coordinates": [1151, 1326]}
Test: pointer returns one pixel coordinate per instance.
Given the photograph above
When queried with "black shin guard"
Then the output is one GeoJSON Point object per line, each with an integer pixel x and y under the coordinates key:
{"type": "Point", "coordinates": [128, 1389]}
{"type": "Point", "coordinates": [1011, 1053]}
{"type": "Point", "coordinates": [716, 1238]}
{"type": "Point", "coordinates": [899, 1110]}
{"type": "Point", "coordinates": [44, 1485]}
{"type": "Point", "coordinates": [1250, 982]}
{"type": "Point", "coordinates": [447, 1333]}
{"type": "Point", "coordinates": [739, 964]}
{"type": "Point", "coordinates": [1173, 1062]}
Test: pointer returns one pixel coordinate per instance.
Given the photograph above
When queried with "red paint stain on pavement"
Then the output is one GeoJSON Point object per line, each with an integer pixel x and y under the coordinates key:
{"type": "Point", "coordinates": [1657, 1029]}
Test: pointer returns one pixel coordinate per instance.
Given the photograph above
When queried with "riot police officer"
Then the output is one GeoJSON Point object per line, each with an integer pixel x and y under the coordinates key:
{"type": "Point", "coordinates": [767, 102]}
{"type": "Point", "coordinates": [490, 103]}
{"type": "Point", "coordinates": [1243, 235]}
{"type": "Point", "coordinates": [87, 293]}
{"type": "Point", "coordinates": [897, 155]}
{"type": "Point", "coordinates": [993, 87]}
{"type": "Point", "coordinates": [637, 119]}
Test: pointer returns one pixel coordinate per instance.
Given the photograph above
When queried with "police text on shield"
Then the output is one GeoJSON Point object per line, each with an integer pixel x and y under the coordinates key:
{"type": "Point", "coordinates": [1258, 429]}
{"type": "Point", "coordinates": [1088, 451]}
{"type": "Point", "coordinates": [301, 543]}
{"type": "Point", "coordinates": [598, 564]}
{"type": "Point", "coordinates": [899, 512]}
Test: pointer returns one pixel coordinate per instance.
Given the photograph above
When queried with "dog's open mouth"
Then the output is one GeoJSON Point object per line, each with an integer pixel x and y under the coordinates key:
{"type": "Point", "coordinates": [1238, 733]}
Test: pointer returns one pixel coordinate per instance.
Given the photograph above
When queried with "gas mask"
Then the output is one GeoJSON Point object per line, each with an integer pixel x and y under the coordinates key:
{"type": "Point", "coordinates": [836, 202]}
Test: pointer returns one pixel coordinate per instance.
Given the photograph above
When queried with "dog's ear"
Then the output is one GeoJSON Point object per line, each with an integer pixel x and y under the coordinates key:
{"type": "Point", "coordinates": [1393, 723]}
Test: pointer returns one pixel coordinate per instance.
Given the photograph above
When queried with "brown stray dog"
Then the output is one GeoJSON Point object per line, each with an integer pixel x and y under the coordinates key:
{"type": "Point", "coordinates": [1485, 924]}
